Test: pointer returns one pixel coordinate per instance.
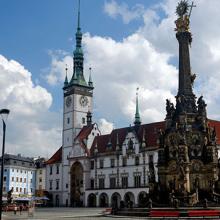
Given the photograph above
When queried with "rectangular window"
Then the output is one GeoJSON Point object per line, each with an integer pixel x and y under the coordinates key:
{"type": "Point", "coordinates": [101, 183]}
{"type": "Point", "coordinates": [25, 180]}
{"type": "Point", "coordinates": [40, 179]}
{"type": "Point", "coordinates": [12, 179]}
{"type": "Point", "coordinates": [20, 180]}
{"type": "Point", "coordinates": [4, 178]}
{"type": "Point", "coordinates": [30, 180]}
{"type": "Point", "coordinates": [16, 189]}
{"type": "Point", "coordinates": [101, 163]}
{"type": "Point", "coordinates": [24, 190]}
{"type": "Point", "coordinates": [31, 190]}
{"type": "Point", "coordinates": [137, 181]}
{"type": "Point", "coordinates": [20, 190]}
{"type": "Point", "coordinates": [68, 120]}
{"type": "Point", "coordinates": [40, 171]}
{"type": "Point", "coordinates": [92, 185]}
{"type": "Point", "coordinates": [57, 184]}
{"type": "Point", "coordinates": [4, 189]}
{"type": "Point", "coordinates": [83, 120]}
{"type": "Point", "coordinates": [112, 182]}
{"type": "Point", "coordinates": [124, 182]}
{"type": "Point", "coordinates": [51, 170]}
{"type": "Point", "coordinates": [51, 184]}
{"type": "Point", "coordinates": [67, 185]}
{"type": "Point", "coordinates": [112, 162]}
{"type": "Point", "coordinates": [151, 158]}
{"type": "Point", "coordinates": [137, 160]}
{"type": "Point", "coordinates": [92, 164]}
{"type": "Point", "coordinates": [5, 170]}
{"type": "Point", "coordinates": [58, 169]}
{"type": "Point", "coordinates": [124, 161]}
{"type": "Point", "coordinates": [16, 179]}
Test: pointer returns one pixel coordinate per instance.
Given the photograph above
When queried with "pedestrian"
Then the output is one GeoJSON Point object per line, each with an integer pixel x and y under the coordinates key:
{"type": "Point", "coordinates": [21, 208]}
{"type": "Point", "coordinates": [15, 209]}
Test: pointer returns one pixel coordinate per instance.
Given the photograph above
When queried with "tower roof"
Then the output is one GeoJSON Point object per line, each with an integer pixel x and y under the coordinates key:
{"type": "Point", "coordinates": [78, 57]}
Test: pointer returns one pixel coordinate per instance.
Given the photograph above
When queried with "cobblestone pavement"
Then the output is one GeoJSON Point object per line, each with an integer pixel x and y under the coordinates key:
{"type": "Point", "coordinates": [62, 213]}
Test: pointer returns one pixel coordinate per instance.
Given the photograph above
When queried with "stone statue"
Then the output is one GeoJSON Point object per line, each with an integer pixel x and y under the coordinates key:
{"type": "Point", "coordinates": [192, 78]}
{"type": "Point", "coordinates": [169, 108]}
{"type": "Point", "coordinates": [201, 106]}
{"type": "Point", "coordinates": [182, 170]}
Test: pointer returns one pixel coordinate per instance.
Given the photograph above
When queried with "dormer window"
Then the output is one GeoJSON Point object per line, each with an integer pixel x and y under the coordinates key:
{"type": "Point", "coordinates": [109, 145]}
{"type": "Point", "coordinates": [130, 146]}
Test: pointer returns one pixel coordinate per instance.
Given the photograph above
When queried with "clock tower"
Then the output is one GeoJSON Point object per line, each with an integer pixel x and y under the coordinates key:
{"type": "Point", "coordinates": [78, 101]}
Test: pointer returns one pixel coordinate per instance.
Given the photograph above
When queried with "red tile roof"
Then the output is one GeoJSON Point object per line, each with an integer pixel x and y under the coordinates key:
{"type": "Point", "coordinates": [151, 135]}
{"type": "Point", "coordinates": [151, 131]}
{"type": "Point", "coordinates": [84, 132]}
{"type": "Point", "coordinates": [216, 125]}
{"type": "Point", "coordinates": [56, 158]}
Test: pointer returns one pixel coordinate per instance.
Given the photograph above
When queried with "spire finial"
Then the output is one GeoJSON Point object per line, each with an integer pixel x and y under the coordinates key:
{"type": "Point", "coordinates": [90, 77]}
{"type": "Point", "coordinates": [137, 114]}
{"type": "Point", "coordinates": [78, 27]}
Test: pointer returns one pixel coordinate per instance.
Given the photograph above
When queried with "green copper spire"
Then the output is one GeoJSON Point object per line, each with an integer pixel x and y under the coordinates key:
{"type": "Point", "coordinates": [137, 120]}
{"type": "Point", "coordinates": [78, 57]}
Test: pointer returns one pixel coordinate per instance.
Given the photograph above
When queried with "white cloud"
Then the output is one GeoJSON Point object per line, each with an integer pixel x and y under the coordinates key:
{"type": "Point", "coordinates": [118, 68]}
{"type": "Point", "coordinates": [31, 128]}
{"type": "Point", "coordinates": [146, 59]}
{"type": "Point", "coordinates": [105, 126]}
{"type": "Point", "coordinates": [113, 9]}
{"type": "Point", "coordinates": [59, 62]}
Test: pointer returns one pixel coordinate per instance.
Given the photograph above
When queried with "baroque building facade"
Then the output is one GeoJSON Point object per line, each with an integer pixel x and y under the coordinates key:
{"type": "Point", "coordinates": [175, 158]}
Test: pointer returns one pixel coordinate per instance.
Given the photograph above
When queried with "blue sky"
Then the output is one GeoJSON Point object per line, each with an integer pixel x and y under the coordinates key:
{"type": "Point", "coordinates": [32, 28]}
{"type": "Point", "coordinates": [128, 43]}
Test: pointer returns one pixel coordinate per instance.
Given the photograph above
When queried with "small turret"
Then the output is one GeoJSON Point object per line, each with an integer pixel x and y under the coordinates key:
{"type": "Point", "coordinates": [90, 77]}
{"type": "Point", "coordinates": [117, 143]}
{"type": "Point", "coordinates": [66, 79]}
{"type": "Point", "coordinates": [143, 145]}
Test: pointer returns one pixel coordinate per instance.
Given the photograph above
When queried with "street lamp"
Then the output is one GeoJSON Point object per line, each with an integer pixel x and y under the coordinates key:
{"type": "Point", "coordinates": [4, 114]}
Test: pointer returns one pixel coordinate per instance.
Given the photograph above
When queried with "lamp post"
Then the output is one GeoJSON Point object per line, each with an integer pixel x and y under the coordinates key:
{"type": "Point", "coordinates": [4, 114]}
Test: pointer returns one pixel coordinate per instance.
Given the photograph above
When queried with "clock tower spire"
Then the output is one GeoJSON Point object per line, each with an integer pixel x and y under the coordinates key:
{"type": "Point", "coordinates": [77, 104]}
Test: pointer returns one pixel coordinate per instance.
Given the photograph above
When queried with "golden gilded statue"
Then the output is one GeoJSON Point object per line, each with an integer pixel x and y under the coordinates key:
{"type": "Point", "coordinates": [183, 11]}
{"type": "Point", "coordinates": [182, 24]}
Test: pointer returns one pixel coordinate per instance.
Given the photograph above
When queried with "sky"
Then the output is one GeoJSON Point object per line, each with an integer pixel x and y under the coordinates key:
{"type": "Point", "coordinates": [128, 44]}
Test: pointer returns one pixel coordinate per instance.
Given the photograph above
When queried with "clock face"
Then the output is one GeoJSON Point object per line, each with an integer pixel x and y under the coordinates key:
{"type": "Point", "coordinates": [68, 101]}
{"type": "Point", "coordinates": [84, 101]}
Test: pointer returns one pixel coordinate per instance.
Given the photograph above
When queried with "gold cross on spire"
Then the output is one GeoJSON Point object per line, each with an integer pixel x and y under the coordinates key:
{"type": "Point", "coordinates": [191, 7]}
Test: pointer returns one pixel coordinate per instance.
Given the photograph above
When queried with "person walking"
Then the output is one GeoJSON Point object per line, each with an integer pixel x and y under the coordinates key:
{"type": "Point", "coordinates": [21, 208]}
{"type": "Point", "coordinates": [15, 209]}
